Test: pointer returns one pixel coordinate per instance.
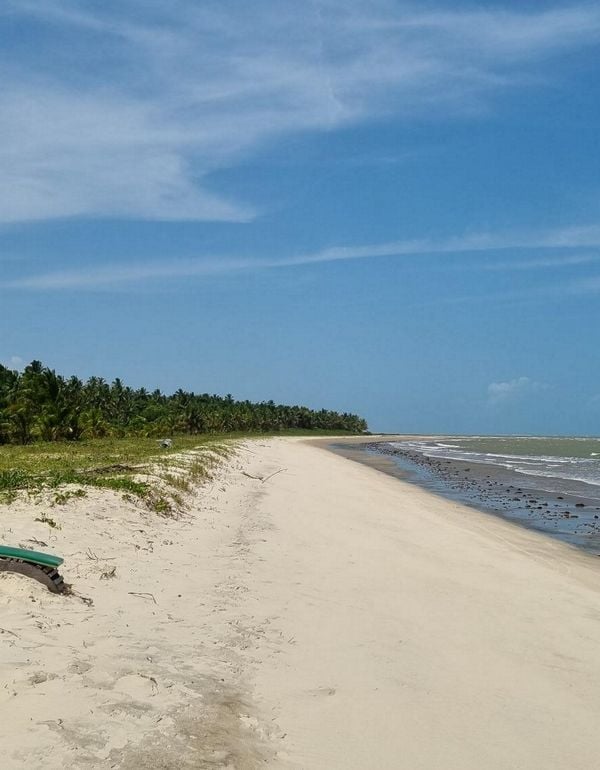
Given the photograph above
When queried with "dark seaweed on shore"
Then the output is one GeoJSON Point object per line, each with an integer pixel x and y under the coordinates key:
{"type": "Point", "coordinates": [568, 516]}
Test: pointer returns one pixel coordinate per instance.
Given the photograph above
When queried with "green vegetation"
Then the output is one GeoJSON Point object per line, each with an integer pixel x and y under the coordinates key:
{"type": "Point", "coordinates": [62, 435]}
{"type": "Point", "coordinates": [134, 466]}
{"type": "Point", "coordinates": [47, 520]}
{"type": "Point", "coordinates": [61, 498]}
{"type": "Point", "coordinates": [38, 405]}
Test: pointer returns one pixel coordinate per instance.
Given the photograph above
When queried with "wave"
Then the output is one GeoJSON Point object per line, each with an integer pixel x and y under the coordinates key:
{"type": "Point", "coordinates": [581, 469]}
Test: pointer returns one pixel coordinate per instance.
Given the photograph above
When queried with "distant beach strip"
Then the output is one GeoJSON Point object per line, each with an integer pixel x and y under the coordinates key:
{"type": "Point", "coordinates": [548, 484]}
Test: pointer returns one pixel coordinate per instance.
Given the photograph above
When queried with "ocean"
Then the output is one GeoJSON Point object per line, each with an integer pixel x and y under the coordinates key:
{"type": "Point", "coordinates": [545, 483]}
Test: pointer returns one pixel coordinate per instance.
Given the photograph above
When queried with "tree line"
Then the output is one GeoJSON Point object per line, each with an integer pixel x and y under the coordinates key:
{"type": "Point", "coordinates": [39, 405]}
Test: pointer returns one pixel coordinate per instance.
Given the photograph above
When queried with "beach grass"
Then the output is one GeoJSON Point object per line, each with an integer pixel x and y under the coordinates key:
{"type": "Point", "coordinates": [137, 467]}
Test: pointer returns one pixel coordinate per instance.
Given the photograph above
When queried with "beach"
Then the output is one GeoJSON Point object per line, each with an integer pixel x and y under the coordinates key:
{"type": "Point", "coordinates": [306, 612]}
{"type": "Point", "coordinates": [551, 485]}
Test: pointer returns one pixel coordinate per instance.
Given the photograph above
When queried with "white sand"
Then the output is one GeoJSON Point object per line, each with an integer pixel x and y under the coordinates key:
{"type": "Point", "coordinates": [330, 617]}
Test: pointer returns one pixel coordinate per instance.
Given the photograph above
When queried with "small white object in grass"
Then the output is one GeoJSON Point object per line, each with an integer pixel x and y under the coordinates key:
{"type": "Point", "coordinates": [166, 443]}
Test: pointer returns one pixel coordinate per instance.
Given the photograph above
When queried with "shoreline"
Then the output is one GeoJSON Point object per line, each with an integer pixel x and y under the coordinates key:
{"type": "Point", "coordinates": [568, 517]}
{"type": "Point", "coordinates": [438, 629]}
{"type": "Point", "coordinates": [307, 612]}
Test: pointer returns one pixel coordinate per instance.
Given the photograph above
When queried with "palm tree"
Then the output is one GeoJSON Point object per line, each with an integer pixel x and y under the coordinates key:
{"type": "Point", "coordinates": [38, 403]}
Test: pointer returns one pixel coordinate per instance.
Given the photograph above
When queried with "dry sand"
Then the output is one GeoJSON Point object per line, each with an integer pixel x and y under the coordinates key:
{"type": "Point", "coordinates": [327, 617]}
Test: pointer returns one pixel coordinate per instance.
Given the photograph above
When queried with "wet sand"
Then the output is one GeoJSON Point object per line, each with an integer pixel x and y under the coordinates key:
{"type": "Point", "coordinates": [573, 516]}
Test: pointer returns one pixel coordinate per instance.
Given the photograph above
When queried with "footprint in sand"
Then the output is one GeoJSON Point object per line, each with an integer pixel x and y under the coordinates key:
{"type": "Point", "coordinates": [39, 677]}
{"type": "Point", "coordinates": [79, 667]}
{"type": "Point", "coordinates": [137, 686]}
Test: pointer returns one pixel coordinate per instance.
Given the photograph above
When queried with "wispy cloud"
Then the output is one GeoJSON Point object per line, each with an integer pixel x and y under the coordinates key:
{"type": "Point", "coordinates": [13, 362]}
{"type": "Point", "coordinates": [507, 392]}
{"type": "Point", "coordinates": [134, 120]}
{"type": "Point", "coordinates": [114, 275]}
{"type": "Point", "coordinates": [564, 260]}
{"type": "Point", "coordinates": [588, 285]}
{"type": "Point", "coordinates": [499, 31]}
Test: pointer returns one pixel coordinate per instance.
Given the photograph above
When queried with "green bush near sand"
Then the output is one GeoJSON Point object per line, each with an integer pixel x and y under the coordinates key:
{"type": "Point", "coordinates": [58, 432]}
{"type": "Point", "coordinates": [135, 466]}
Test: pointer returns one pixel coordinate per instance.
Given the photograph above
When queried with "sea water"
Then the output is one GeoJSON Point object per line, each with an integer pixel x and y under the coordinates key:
{"type": "Point", "coordinates": [550, 484]}
{"type": "Point", "coordinates": [548, 463]}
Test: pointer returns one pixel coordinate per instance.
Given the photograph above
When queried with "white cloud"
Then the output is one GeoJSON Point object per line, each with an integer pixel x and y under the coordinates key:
{"type": "Point", "coordinates": [565, 260]}
{"type": "Point", "coordinates": [133, 122]}
{"type": "Point", "coordinates": [112, 275]}
{"type": "Point", "coordinates": [13, 362]}
{"type": "Point", "coordinates": [513, 390]}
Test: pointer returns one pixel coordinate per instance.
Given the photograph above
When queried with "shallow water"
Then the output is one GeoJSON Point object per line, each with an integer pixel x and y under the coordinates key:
{"type": "Point", "coordinates": [551, 464]}
{"type": "Point", "coordinates": [551, 485]}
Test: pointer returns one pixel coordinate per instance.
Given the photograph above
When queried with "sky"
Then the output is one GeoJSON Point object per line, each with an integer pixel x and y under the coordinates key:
{"type": "Point", "coordinates": [381, 207]}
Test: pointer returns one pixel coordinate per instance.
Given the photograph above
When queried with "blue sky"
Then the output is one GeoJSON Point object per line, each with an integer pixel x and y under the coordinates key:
{"type": "Point", "coordinates": [382, 207]}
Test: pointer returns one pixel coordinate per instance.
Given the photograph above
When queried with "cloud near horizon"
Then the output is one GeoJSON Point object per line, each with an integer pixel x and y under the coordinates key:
{"type": "Point", "coordinates": [12, 362]}
{"type": "Point", "coordinates": [510, 391]}
{"type": "Point", "coordinates": [133, 117]}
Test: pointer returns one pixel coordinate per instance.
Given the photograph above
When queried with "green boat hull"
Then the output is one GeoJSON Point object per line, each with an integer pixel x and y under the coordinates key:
{"type": "Point", "coordinates": [33, 557]}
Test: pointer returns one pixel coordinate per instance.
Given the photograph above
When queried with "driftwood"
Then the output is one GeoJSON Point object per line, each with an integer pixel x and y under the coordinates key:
{"type": "Point", "coordinates": [143, 595]}
{"type": "Point", "coordinates": [281, 470]}
{"type": "Point", "coordinates": [12, 633]}
{"type": "Point", "coordinates": [105, 469]}
{"type": "Point", "coordinates": [85, 599]}
{"type": "Point", "coordinates": [262, 479]}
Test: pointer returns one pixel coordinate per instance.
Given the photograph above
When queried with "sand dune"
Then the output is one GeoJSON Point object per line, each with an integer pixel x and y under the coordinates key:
{"type": "Point", "coordinates": [326, 617]}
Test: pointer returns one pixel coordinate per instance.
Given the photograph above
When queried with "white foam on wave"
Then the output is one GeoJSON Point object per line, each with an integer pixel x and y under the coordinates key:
{"type": "Point", "coordinates": [584, 470]}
